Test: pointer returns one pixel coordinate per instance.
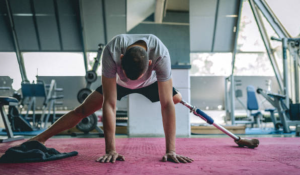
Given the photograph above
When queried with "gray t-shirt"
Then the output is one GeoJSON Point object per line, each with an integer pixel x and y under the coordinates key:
{"type": "Point", "coordinates": [160, 69]}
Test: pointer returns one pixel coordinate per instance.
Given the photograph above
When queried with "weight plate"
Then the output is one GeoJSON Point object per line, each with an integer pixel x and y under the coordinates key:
{"type": "Point", "coordinates": [82, 94]}
{"type": "Point", "coordinates": [91, 76]}
{"type": "Point", "coordinates": [88, 124]}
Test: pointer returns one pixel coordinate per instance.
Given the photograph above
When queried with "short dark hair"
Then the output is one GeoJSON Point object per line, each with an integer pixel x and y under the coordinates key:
{"type": "Point", "coordinates": [135, 62]}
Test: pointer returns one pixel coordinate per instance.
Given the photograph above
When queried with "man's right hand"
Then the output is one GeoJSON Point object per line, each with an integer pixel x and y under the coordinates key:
{"type": "Point", "coordinates": [110, 157]}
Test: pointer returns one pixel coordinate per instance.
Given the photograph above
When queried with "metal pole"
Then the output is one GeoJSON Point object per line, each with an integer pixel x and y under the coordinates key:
{"type": "Point", "coordinates": [82, 35]}
{"type": "Point", "coordinates": [215, 26]}
{"type": "Point", "coordinates": [267, 44]}
{"type": "Point", "coordinates": [58, 24]}
{"type": "Point", "coordinates": [285, 72]}
{"type": "Point", "coordinates": [16, 44]}
{"type": "Point", "coordinates": [35, 24]}
{"type": "Point", "coordinates": [226, 97]}
{"type": "Point", "coordinates": [232, 88]}
{"type": "Point", "coordinates": [202, 116]}
{"type": "Point", "coordinates": [226, 131]}
{"type": "Point", "coordinates": [296, 67]}
{"type": "Point", "coordinates": [236, 36]}
{"type": "Point", "coordinates": [232, 99]}
{"type": "Point", "coordinates": [272, 19]}
{"type": "Point", "coordinates": [291, 72]}
{"type": "Point", "coordinates": [293, 45]}
{"type": "Point", "coordinates": [104, 21]}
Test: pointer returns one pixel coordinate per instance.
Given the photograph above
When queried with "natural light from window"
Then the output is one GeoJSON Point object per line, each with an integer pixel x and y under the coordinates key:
{"type": "Point", "coordinates": [53, 64]}
{"type": "Point", "coordinates": [9, 67]}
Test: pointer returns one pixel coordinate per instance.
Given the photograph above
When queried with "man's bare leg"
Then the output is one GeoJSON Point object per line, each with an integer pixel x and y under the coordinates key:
{"type": "Point", "coordinates": [91, 104]}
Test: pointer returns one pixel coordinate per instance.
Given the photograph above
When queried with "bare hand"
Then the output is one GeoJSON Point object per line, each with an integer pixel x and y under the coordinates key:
{"type": "Point", "coordinates": [110, 157]}
{"type": "Point", "coordinates": [172, 156]}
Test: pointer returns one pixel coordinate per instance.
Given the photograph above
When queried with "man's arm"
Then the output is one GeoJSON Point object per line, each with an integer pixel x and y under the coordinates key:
{"type": "Point", "coordinates": [109, 112]}
{"type": "Point", "coordinates": [109, 119]}
{"type": "Point", "coordinates": [168, 113]}
{"type": "Point", "coordinates": [165, 90]}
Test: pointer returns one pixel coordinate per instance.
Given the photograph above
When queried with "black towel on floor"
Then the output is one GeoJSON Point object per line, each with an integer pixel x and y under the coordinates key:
{"type": "Point", "coordinates": [33, 151]}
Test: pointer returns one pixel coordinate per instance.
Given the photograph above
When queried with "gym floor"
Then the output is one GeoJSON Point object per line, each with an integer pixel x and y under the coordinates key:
{"type": "Point", "coordinates": [213, 154]}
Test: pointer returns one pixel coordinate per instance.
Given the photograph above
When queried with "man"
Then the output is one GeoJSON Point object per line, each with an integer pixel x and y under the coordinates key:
{"type": "Point", "coordinates": [130, 64]}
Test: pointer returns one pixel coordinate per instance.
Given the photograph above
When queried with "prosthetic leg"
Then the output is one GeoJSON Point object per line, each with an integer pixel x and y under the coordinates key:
{"type": "Point", "coordinates": [242, 142]}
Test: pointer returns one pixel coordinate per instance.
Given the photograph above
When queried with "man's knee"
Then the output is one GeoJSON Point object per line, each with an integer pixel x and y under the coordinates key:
{"type": "Point", "coordinates": [177, 98]}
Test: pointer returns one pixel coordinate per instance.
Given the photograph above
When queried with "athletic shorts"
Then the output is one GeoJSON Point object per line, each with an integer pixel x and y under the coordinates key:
{"type": "Point", "coordinates": [151, 92]}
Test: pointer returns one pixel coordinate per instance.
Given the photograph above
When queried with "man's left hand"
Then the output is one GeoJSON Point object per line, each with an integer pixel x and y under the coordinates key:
{"type": "Point", "coordinates": [172, 156]}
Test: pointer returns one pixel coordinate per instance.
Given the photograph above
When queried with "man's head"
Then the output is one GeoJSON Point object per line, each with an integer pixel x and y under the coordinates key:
{"type": "Point", "coordinates": [135, 62]}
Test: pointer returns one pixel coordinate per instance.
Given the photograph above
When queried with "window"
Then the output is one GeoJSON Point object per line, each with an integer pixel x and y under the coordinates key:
{"type": "Point", "coordinates": [53, 64]}
{"type": "Point", "coordinates": [204, 64]}
{"type": "Point", "coordinates": [9, 67]}
{"type": "Point", "coordinates": [253, 64]}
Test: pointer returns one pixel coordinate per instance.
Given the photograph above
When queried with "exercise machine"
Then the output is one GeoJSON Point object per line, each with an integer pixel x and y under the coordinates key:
{"type": "Point", "coordinates": [278, 101]}
{"type": "Point", "coordinates": [8, 101]}
{"type": "Point", "coordinates": [252, 105]}
{"type": "Point", "coordinates": [16, 121]}
{"type": "Point", "coordinates": [289, 113]}
{"type": "Point", "coordinates": [30, 91]}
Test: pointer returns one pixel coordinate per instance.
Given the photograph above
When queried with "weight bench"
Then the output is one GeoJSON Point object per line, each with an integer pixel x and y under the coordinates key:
{"type": "Point", "coordinates": [10, 136]}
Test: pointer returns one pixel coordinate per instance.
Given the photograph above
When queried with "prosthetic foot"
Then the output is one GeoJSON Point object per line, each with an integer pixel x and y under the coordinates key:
{"type": "Point", "coordinates": [242, 142]}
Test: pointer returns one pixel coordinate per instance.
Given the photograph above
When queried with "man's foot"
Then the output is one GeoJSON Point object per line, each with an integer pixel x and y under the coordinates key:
{"type": "Point", "coordinates": [247, 142]}
{"type": "Point", "coordinates": [37, 139]}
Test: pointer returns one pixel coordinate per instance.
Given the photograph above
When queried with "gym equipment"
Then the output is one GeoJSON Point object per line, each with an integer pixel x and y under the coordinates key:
{"type": "Point", "coordinates": [252, 118]}
{"type": "Point", "coordinates": [5, 88]}
{"type": "Point", "coordinates": [32, 90]}
{"type": "Point", "coordinates": [278, 101]}
{"type": "Point", "coordinates": [252, 104]}
{"type": "Point", "coordinates": [11, 102]}
{"type": "Point", "coordinates": [242, 142]}
{"type": "Point", "coordinates": [82, 94]}
{"type": "Point", "coordinates": [297, 131]}
{"type": "Point", "coordinates": [89, 123]}
{"type": "Point", "coordinates": [261, 9]}
{"type": "Point", "coordinates": [90, 77]}
{"type": "Point", "coordinates": [288, 112]}
{"type": "Point", "coordinates": [17, 122]}
{"type": "Point", "coordinates": [294, 48]}
{"type": "Point", "coordinates": [290, 68]}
